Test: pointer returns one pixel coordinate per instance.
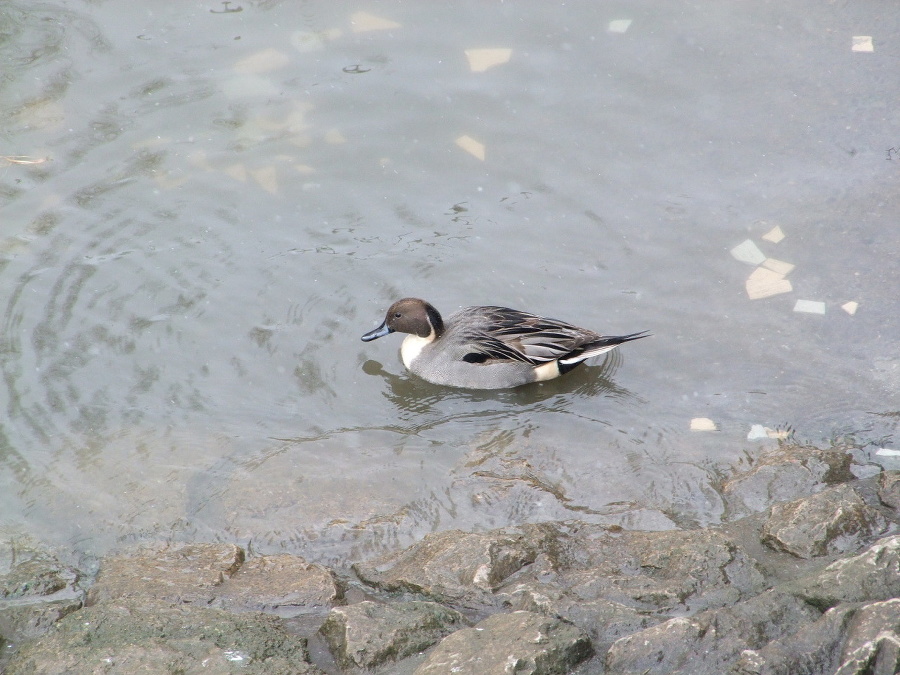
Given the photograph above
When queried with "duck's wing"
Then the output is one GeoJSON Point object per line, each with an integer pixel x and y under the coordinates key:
{"type": "Point", "coordinates": [511, 335]}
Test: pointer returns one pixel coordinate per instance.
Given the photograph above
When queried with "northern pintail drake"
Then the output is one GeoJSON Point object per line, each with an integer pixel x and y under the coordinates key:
{"type": "Point", "coordinates": [489, 347]}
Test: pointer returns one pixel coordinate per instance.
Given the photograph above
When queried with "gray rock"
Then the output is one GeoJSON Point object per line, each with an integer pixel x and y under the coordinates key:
{"type": "Point", "coordinates": [135, 638]}
{"type": "Point", "coordinates": [783, 475]}
{"type": "Point", "coordinates": [872, 643]}
{"type": "Point", "coordinates": [869, 622]}
{"type": "Point", "coordinates": [657, 571]}
{"type": "Point", "coordinates": [880, 656]}
{"type": "Point", "coordinates": [603, 620]}
{"type": "Point", "coordinates": [813, 649]}
{"type": "Point", "coordinates": [873, 575]}
{"type": "Point", "coordinates": [285, 584]}
{"type": "Point", "coordinates": [710, 641]}
{"type": "Point", "coordinates": [642, 570]}
{"type": "Point", "coordinates": [36, 591]}
{"type": "Point", "coordinates": [833, 521]}
{"type": "Point", "coordinates": [452, 565]}
{"type": "Point", "coordinates": [889, 489]}
{"type": "Point", "coordinates": [181, 574]}
{"type": "Point", "coordinates": [217, 575]}
{"type": "Point", "coordinates": [521, 642]}
{"type": "Point", "coordinates": [369, 634]}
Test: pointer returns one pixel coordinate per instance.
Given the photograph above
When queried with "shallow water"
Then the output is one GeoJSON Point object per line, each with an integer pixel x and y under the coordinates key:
{"type": "Point", "coordinates": [203, 209]}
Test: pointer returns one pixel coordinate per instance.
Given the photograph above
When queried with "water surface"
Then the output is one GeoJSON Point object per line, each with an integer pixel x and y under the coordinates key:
{"type": "Point", "coordinates": [204, 208]}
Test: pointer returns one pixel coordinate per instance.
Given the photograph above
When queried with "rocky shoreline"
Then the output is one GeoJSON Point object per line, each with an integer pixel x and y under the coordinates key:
{"type": "Point", "coordinates": [804, 577]}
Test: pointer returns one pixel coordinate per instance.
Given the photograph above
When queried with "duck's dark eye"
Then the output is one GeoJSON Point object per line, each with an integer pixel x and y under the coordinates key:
{"type": "Point", "coordinates": [397, 315]}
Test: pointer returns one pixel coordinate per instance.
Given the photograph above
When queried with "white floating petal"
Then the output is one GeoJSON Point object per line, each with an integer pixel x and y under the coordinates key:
{"type": "Point", "coordinates": [757, 431]}
{"type": "Point", "coordinates": [244, 86]}
{"type": "Point", "coordinates": [482, 59]}
{"type": "Point", "coordinates": [237, 171]}
{"type": "Point", "coordinates": [862, 43]}
{"type": "Point", "coordinates": [362, 22]}
{"type": "Point", "coordinates": [619, 25]}
{"type": "Point", "coordinates": [748, 252]}
{"type": "Point", "coordinates": [783, 268]}
{"type": "Point", "coordinates": [888, 452]}
{"type": "Point", "coordinates": [262, 62]}
{"type": "Point", "coordinates": [810, 306]}
{"type": "Point", "coordinates": [764, 283]}
{"type": "Point", "coordinates": [703, 424]}
{"type": "Point", "coordinates": [774, 235]}
{"type": "Point", "coordinates": [850, 307]}
{"type": "Point", "coordinates": [471, 146]}
{"type": "Point", "coordinates": [267, 177]}
{"type": "Point", "coordinates": [334, 137]}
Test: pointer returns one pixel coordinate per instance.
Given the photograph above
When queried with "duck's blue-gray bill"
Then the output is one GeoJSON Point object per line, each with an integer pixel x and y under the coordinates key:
{"type": "Point", "coordinates": [381, 331]}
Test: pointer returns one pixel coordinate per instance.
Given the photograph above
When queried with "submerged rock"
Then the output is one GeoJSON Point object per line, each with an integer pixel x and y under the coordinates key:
{"type": "Point", "coordinates": [369, 634]}
{"type": "Point", "coordinates": [785, 474]}
{"type": "Point", "coordinates": [521, 642]}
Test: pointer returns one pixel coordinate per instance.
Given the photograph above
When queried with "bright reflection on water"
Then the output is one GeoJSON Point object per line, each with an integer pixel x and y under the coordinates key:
{"type": "Point", "coordinates": [203, 209]}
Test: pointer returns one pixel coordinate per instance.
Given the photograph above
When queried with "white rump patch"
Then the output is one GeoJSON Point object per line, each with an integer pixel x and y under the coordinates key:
{"type": "Point", "coordinates": [546, 371]}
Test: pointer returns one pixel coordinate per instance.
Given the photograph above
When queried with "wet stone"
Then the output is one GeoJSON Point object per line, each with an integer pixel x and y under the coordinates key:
{"type": "Point", "coordinates": [188, 573]}
{"type": "Point", "coordinates": [833, 521]}
{"type": "Point", "coordinates": [657, 571]}
{"type": "Point", "coordinates": [784, 475]}
{"type": "Point", "coordinates": [217, 575]}
{"type": "Point", "coordinates": [873, 575]}
{"type": "Point", "coordinates": [605, 621]}
{"type": "Point", "coordinates": [452, 565]}
{"type": "Point", "coordinates": [643, 570]}
{"type": "Point", "coordinates": [710, 641]}
{"type": "Point", "coordinates": [889, 489]}
{"type": "Point", "coordinates": [369, 634]}
{"type": "Point", "coordinates": [136, 637]}
{"type": "Point", "coordinates": [521, 642]}
{"type": "Point", "coordinates": [36, 591]}
{"type": "Point", "coordinates": [285, 584]}
{"type": "Point", "coordinates": [814, 648]}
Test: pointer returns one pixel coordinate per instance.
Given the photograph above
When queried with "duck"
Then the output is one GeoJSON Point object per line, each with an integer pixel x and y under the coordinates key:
{"type": "Point", "coordinates": [489, 347]}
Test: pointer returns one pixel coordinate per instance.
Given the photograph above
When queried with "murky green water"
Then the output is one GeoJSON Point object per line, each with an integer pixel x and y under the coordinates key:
{"type": "Point", "coordinates": [202, 209]}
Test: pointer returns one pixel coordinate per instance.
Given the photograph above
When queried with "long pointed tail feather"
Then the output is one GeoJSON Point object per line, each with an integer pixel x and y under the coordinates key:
{"type": "Point", "coordinates": [602, 346]}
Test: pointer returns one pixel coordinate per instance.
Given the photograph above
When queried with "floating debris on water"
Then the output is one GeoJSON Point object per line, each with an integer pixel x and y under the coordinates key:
{"type": "Point", "coordinates": [482, 59]}
{"type": "Point", "coordinates": [703, 424]}
{"type": "Point", "coordinates": [810, 306]}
